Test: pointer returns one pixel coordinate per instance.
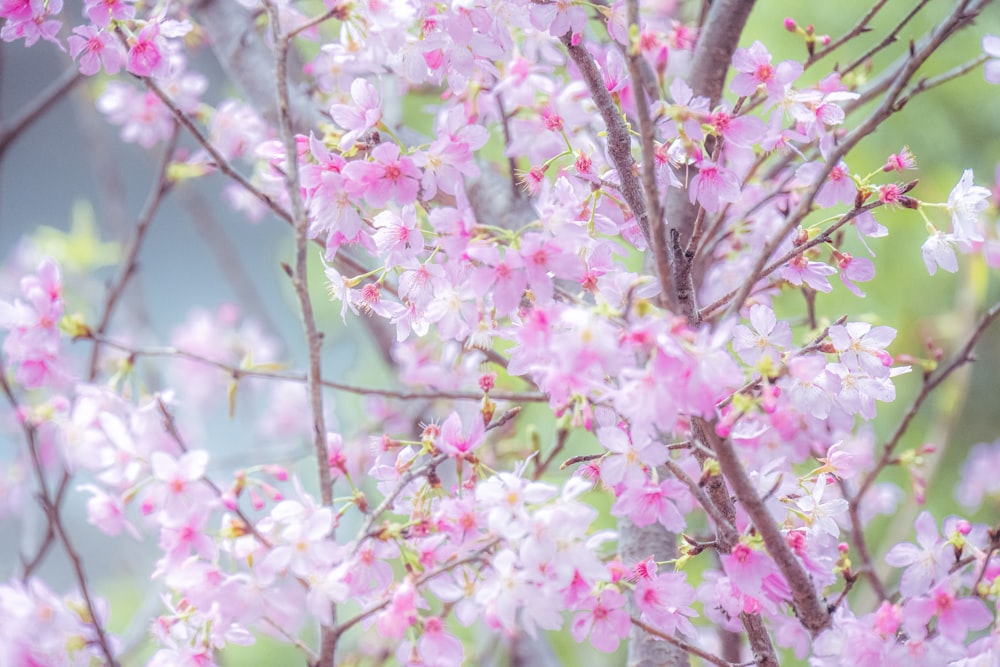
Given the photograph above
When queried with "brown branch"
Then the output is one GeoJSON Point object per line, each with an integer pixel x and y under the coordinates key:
{"type": "Point", "coordinates": [809, 608]}
{"type": "Point", "coordinates": [161, 185]}
{"type": "Point", "coordinates": [619, 140]}
{"type": "Point", "coordinates": [657, 228]}
{"type": "Point", "coordinates": [718, 495]}
{"type": "Point", "coordinates": [38, 106]}
{"type": "Point", "coordinates": [300, 282]}
{"type": "Point", "coordinates": [713, 54]}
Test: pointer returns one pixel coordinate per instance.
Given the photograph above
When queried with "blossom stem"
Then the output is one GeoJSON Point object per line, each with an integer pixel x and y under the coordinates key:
{"type": "Point", "coordinates": [161, 186]}
{"type": "Point", "coordinates": [809, 608]}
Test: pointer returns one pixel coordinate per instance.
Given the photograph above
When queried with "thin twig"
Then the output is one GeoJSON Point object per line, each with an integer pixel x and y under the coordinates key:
{"type": "Point", "coordinates": [238, 373]}
{"type": "Point", "coordinates": [822, 237]}
{"type": "Point", "coordinates": [651, 193]}
{"type": "Point", "coordinates": [170, 425]}
{"type": "Point", "coordinates": [808, 606]}
{"type": "Point", "coordinates": [888, 40]}
{"type": "Point", "coordinates": [683, 645]}
{"type": "Point", "coordinates": [37, 107]}
{"type": "Point", "coordinates": [962, 357]}
{"type": "Point", "coordinates": [161, 185]}
{"type": "Point", "coordinates": [859, 28]}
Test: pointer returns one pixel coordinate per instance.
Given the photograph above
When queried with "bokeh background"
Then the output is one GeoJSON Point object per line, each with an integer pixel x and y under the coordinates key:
{"type": "Point", "coordinates": [72, 187]}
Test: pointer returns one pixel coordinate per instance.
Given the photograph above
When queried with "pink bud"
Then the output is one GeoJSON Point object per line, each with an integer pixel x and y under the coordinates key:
{"type": "Point", "coordinates": [790, 25]}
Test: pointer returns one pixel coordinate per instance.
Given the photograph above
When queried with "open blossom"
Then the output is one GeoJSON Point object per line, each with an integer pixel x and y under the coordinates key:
{"type": "Point", "coordinates": [29, 20]}
{"type": "Point", "coordinates": [754, 69]}
{"type": "Point", "coordinates": [102, 12]}
{"type": "Point", "coordinates": [956, 616]}
{"type": "Point", "coordinates": [965, 203]}
{"type": "Point", "coordinates": [363, 114]}
{"type": "Point", "coordinates": [713, 185]}
{"type": "Point", "coordinates": [147, 53]}
{"type": "Point", "coordinates": [924, 563]}
{"type": "Point", "coordinates": [991, 70]}
{"type": "Point", "coordinates": [605, 621]}
{"type": "Point", "coordinates": [938, 250]}
{"type": "Point", "coordinates": [96, 48]}
{"type": "Point", "coordinates": [452, 441]}
{"type": "Point", "coordinates": [768, 337]}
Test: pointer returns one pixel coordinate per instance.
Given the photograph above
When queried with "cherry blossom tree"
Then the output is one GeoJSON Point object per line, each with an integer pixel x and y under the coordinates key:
{"type": "Point", "coordinates": [615, 408]}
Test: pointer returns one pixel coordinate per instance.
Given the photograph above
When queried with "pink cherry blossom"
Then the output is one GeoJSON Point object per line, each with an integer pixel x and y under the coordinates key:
{"type": "Point", "coordinates": [363, 114]}
{"type": "Point", "coordinates": [767, 339]}
{"type": "Point", "coordinates": [95, 48]}
{"type": "Point", "coordinates": [147, 52]}
{"type": "Point", "coordinates": [453, 442]}
{"type": "Point", "coordinates": [387, 176]}
{"type": "Point", "coordinates": [605, 621]}
{"type": "Point", "coordinates": [664, 599]}
{"type": "Point", "coordinates": [956, 616]}
{"type": "Point", "coordinates": [755, 70]}
{"type": "Point", "coordinates": [713, 185]}
{"type": "Point", "coordinates": [925, 563]}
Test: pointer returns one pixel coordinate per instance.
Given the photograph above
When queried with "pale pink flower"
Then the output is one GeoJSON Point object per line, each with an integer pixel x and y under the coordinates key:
{"type": "Point", "coordinates": [453, 442]}
{"type": "Point", "coordinates": [401, 612]}
{"type": "Point", "coordinates": [965, 203]}
{"type": "Point", "coordinates": [862, 346]}
{"type": "Point", "coordinates": [102, 12]}
{"type": "Point", "coordinates": [604, 619]}
{"type": "Point", "coordinates": [664, 601]}
{"type": "Point", "coordinates": [107, 512]}
{"type": "Point", "coordinates": [820, 515]}
{"type": "Point", "coordinates": [937, 251]}
{"type": "Point", "coordinates": [801, 270]}
{"type": "Point", "coordinates": [853, 269]}
{"type": "Point", "coordinates": [438, 648]}
{"type": "Point", "coordinates": [397, 235]}
{"type": "Point", "coordinates": [754, 69]}
{"type": "Point", "coordinates": [924, 563]}
{"type": "Point", "coordinates": [650, 502]}
{"type": "Point", "coordinates": [991, 70]}
{"type": "Point", "coordinates": [387, 176]}
{"type": "Point", "coordinates": [767, 339]}
{"type": "Point", "coordinates": [713, 185]}
{"type": "Point", "coordinates": [363, 114]}
{"type": "Point", "coordinates": [956, 616]}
